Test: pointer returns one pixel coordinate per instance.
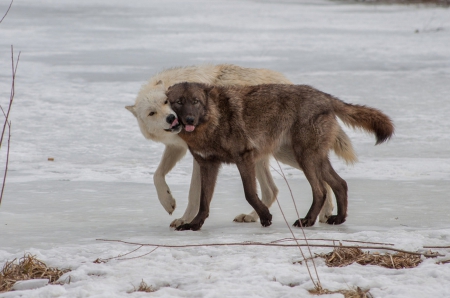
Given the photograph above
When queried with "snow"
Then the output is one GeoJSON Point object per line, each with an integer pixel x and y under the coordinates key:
{"type": "Point", "coordinates": [83, 61]}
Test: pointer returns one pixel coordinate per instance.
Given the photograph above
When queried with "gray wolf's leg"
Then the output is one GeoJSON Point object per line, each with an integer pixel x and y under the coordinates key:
{"type": "Point", "coordinates": [172, 154]}
{"type": "Point", "coordinates": [194, 198]}
{"type": "Point", "coordinates": [269, 190]}
{"type": "Point", "coordinates": [208, 171]}
{"type": "Point", "coordinates": [340, 189]}
{"type": "Point", "coordinates": [286, 155]}
{"type": "Point", "coordinates": [246, 167]}
{"type": "Point", "coordinates": [313, 168]}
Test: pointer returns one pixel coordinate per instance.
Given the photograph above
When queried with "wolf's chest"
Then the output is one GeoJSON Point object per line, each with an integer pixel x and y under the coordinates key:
{"type": "Point", "coordinates": [223, 149]}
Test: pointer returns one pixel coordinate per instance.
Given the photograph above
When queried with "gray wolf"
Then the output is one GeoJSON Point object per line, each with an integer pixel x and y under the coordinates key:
{"type": "Point", "coordinates": [242, 124]}
{"type": "Point", "coordinates": [155, 118]}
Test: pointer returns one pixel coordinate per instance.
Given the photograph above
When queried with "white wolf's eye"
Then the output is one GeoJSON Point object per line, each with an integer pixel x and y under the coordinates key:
{"type": "Point", "coordinates": [152, 113]}
{"type": "Point", "coordinates": [166, 102]}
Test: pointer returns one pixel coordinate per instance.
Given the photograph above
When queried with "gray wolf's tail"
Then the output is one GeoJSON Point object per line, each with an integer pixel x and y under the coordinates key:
{"type": "Point", "coordinates": [367, 118]}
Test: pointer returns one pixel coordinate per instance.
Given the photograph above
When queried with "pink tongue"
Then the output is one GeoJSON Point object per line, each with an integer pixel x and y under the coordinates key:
{"type": "Point", "coordinates": [175, 122]}
{"type": "Point", "coordinates": [189, 128]}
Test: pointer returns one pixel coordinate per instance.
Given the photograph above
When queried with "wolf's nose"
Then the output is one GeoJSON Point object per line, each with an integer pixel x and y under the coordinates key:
{"type": "Point", "coordinates": [190, 120]}
{"type": "Point", "coordinates": [170, 118]}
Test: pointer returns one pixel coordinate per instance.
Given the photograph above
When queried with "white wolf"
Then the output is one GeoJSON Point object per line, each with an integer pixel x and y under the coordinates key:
{"type": "Point", "coordinates": [158, 122]}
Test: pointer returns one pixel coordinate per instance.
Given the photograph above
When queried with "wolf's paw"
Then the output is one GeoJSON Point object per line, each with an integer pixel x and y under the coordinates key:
{"type": "Point", "coordinates": [325, 215]}
{"type": "Point", "coordinates": [177, 222]}
{"type": "Point", "coordinates": [335, 220]}
{"type": "Point", "coordinates": [246, 218]}
{"type": "Point", "coordinates": [304, 222]}
{"type": "Point", "coordinates": [189, 226]}
{"type": "Point", "coordinates": [266, 220]}
{"type": "Point", "coordinates": [169, 203]}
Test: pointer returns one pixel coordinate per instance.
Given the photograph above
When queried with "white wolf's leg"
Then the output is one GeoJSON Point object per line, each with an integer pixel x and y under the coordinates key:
{"type": "Point", "coordinates": [194, 198]}
{"type": "Point", "coordinates": [172, 154]}
{"type": "Point", "coordinates": [327, 208]}
{"type": "Point", "coordinates": [269, 190]}
{"type": "Point", "coordinates": [286, 155]}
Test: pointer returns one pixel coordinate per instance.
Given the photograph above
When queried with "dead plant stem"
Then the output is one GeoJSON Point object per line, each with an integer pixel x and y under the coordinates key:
{"type": "Point", "coordinates": [4, 16]}
{"type": "Point", "coordinates": [428, 255]}
{"type": "Point", "coordinates": [317, 285]}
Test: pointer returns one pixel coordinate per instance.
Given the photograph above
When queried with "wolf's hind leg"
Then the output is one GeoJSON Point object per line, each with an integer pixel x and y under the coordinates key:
{"type": "Point", "coordinates": [310, 152]}
{"type": "Point", "coordinates": [340, 189]}
{"type": "Point", "coordinates": [269, 190]}
{"type": "Point", "coordinates": [285, 154]}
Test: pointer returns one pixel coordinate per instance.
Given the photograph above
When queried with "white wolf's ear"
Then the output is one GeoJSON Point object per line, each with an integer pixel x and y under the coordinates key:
{"type": "Point", "coordinates": [160, 84]}
{"type": "Point", "coordinates": [132, 110]}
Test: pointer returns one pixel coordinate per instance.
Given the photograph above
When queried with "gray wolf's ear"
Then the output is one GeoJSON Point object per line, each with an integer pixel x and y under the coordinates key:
{"type": "Point", "coordinates": [168, 89]}
{"type": "Point", "coordinates": [132, 110]}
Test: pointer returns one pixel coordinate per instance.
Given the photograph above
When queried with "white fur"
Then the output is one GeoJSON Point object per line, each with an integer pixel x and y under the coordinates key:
{"type": "Point", "coordinates": [152, 98]}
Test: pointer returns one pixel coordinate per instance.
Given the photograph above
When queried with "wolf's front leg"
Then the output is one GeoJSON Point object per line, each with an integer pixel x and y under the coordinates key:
{"type": "Point", "coordinates": [269, 190]}
{"type": "Point", "coordinates": [246, 167]}
{"type": "Point", "coordinates": [208, 171]}
{"type": "Point", "coordinates": [172, 154]}
{"type": "Point", "coordinates": [194, 198]}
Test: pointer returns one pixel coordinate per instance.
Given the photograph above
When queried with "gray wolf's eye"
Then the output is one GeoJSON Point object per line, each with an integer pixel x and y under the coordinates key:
{"type": "Point", "coordinates": [195, 101]}
{"type": "Point", "coordinates": [179, 102]}
{"type": "Point", "coordinates": [152, 113]}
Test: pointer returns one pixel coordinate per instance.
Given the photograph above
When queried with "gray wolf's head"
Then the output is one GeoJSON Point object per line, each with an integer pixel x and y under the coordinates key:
{"type": "Point", "coordinates": [190, 102]}
{"type": "Point", "coordinates": [154, 114]}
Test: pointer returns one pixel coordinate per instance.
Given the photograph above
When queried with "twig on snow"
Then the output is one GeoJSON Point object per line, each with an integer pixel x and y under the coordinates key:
{"type": "Point", "coordinates": [249, 243]}
{"type": "Point", "coordinates": [333, 240]}
{"type": "Point", "coordinates": [436, 246]}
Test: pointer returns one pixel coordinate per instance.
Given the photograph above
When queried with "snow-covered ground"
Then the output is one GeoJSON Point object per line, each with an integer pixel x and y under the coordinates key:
{"type": "Point", "coordinates": [83, 61]}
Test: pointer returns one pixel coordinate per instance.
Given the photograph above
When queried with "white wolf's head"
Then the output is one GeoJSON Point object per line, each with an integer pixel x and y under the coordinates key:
{"type": "Point", "coordinates": [155, 117]}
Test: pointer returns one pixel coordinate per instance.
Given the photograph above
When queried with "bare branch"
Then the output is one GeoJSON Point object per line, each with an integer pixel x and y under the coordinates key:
{"type": "Point", "coordinates": [130, 258]}
{"type": "Point", "coordinates": [332, 240]}
{"type": "Point", "coordinates": [6, 163]}
{"type": "Point", "coordinates": [10, 4]}
{"type": "Point", "coordinates": [11, 97]}
{"type": "Point", "coordinates": [249, 243]}
{"type": "Point", "coordinates": [7, 122]}
{"type": "Point", "coordinates": [317, 284]}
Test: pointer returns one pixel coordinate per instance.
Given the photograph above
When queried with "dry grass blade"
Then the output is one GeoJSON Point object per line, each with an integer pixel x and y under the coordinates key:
{"type": "Point", "coordinates": [444, 262]}
{"type": "Point", "coordinates": [352, 293]}
{"type": "Point", "coordinates": [435, 2]}
{"type": "Point", "coordinates": [143, 287]}
{"type": "Point", "coordinates": [27, 267]}
{"type": "Point", "coordinates": [342, 256]}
